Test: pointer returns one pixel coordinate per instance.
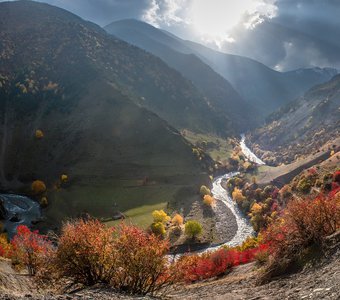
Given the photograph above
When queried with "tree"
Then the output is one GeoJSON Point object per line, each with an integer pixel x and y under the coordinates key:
{"type": "Point", "coordinates": [64, 178]}
{"type": "Point", "coordinates": [38, 187]}
{"type": "Point", "coordinates": [160, 216]}
{"type": "Point", "coordinates": [208, 200]}
{"type": "Point", "coordinates": [204, 191]}
{"type": "Point", "coordinates": [177, 220]}
{"type": "Point", "coordinates": [158, 229]}
{"type": "Point", "coordinates": [39, 134]}
{"type": "Point", "coordinates": [238, 196]}
{"type": "Point", "coordinates": [193, 229]}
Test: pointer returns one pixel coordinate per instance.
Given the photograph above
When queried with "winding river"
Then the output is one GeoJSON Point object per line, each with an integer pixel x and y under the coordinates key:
{"type": "Point", "coordinates": [244, 228]}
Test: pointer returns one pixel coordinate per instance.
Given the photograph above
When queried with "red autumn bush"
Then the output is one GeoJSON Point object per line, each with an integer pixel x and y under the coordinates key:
{"type": "Point", "coordinates": [86, 252]}
{"type": "Point", "coordinates": [29, 248]}
{"type": "Point", "coordinates": [216, 263]}
{"type": "Point", "coordinates": [142, 267]}
{"type": "Point", "coordinates": [303, 226]}
{"type": "Point", "coordinates": [126, 257]}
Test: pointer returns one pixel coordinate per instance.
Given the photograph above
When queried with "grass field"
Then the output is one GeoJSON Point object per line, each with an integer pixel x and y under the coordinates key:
{"type": "Point", "coordinates": [135, 202]}
{"type": "Point", "coordinates": [220, 148]}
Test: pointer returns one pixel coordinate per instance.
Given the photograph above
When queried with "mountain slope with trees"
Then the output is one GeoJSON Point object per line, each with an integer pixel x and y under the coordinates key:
{"type": "Point", "coordinates": [71, 105]}
{"type": "Point", "coordinates": [219, 92]}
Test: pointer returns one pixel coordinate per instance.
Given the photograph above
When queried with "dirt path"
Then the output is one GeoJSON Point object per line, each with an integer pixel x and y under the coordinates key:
{"type": "Point", "coordinates": [283, 174]}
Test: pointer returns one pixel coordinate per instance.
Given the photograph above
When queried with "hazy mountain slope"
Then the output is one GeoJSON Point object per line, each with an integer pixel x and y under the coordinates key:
{"type": "Point", "coordinates": [219, 92]}
{"type": "Point", "coordinates": [69, 78]}
{"type": "Point", "coordinates": [258, 84]}
{"type": "Point", "coordinates": [303, 125]}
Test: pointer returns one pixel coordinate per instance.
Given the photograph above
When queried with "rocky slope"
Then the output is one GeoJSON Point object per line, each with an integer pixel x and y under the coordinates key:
{"type": "Point", "coordinates": [317, 281]}
{"type": "Point", "coordinates": [301, 127]}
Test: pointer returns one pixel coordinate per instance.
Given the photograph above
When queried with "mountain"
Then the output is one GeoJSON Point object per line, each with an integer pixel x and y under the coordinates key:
{"type": "Point", "coordinates": [302, 126]}
{"type": "Point", "coordinates": [258, 84]}
{"type": "Point", "coordinates": [99, 104]}
{"type": "Point", "coordinates": [219, 92]}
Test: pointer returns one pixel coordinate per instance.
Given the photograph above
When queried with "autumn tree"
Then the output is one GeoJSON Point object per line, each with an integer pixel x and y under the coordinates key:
{"type": "Point", "coordinates": [160, 216]}
{"type": "Point", "coordinates": [38, 187]}
{"type": "Point", "coordinates": [177, 220]}
{"type": "Point", "coordinates": [193, 229]}
{"type": "Point", "coordinates": [158, 228]}
{"type": "Point", "coordinates": [208, 200]}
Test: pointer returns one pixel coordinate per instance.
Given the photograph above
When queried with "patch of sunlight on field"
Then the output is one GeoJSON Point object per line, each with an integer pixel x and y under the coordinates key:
{"type": "Point", "coordinates": [140, 216]}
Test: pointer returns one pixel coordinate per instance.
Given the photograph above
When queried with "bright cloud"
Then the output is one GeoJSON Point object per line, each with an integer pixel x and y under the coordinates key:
{"type": "Point", "coordinates": [212, 20]}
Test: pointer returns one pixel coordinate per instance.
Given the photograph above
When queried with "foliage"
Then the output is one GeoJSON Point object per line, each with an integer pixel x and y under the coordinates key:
{"type": "Point", "coordinates": [38, 187]}
{"type": "Point", "coordinates": [140, 261]}
{"type": "Point", "coordinates": [86, 252]}
{"type": "Point", "coordinates": [160, 216]}
{"type": "Point", "coordinates": [177, 220]}
{"type": "Point", "coordinates": [304, 225]}
{"type": "Point", "coordinates": [193, 229]}
{"type": "Point", "coordinates": [5, 246]}
{"type": "Point", "coordinates": [39, 134]}
{"type": "Point", "coordinates": [238, 196]}
{"type": "Point", "coordinates": [43, 202]}
{"type": "Point", "coordinates": [28, 248]}
{"type": "Point", "coordinates": [127, 258]}
{"type": "Point", "coordinates": [204, 191]}
{"type": "Point", "coordinates": [198, 267]}
{"type": "Point", "coordinates": [304, 185]}
{"type": "Point", "coordinates": [208, 200]}
{"type": "Point", "coordinates": [158, 228]}
{"type": "Point", "coordinates": [64, 178]}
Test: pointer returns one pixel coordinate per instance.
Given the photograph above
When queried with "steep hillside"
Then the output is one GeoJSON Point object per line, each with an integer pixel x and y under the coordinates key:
{"type": "Point", "coordinates": [261, 86]}
{"type": "Point", "coordinates": [221, 95]}
{"type": "Point", "coordinates": [87, 93]}
{"type": "Point", "coordinates": [302, 126]}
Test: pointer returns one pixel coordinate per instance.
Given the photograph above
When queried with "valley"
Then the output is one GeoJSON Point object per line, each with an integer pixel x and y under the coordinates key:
{"type": "Point", "coordinates": [142, 159]}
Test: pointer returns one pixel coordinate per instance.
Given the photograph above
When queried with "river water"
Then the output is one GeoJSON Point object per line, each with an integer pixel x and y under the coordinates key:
{"type": "Point", "coordinates": [20, 210]}
{"type": "Point", "coordinates": [244, 228]}
{"type": "Point", "coordinates": [248, 153]}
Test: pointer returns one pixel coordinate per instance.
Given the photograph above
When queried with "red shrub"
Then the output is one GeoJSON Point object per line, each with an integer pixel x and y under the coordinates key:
{"type": "Point", "coordinates": [29, 248]}
{"type": "Point", "coordinates": [216, 263]}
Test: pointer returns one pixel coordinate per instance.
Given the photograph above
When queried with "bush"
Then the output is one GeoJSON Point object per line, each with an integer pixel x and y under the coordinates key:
{"type": "Point", "coordinates": [160, 216]}
{"type": "Point", "coordinates": [127, 258]}
{"type": "Point", "coordinates": [177, 220]}
{"type": "Point", "coordinates": [208, 200]}
{"type": "Point", "coordinates": [5, 246]}
{"type": "Point", "coordinates": [198, 267]}
{"type": "Point", "coordinates": [38, 187]}
{"type": "Point", "coordinates": [39, 134]}
{"type": "Point", "coordinates": [158, 228]}
{"type": "Point", "coordinates": [29, 248]}
{"type": "Point", "coordinates": [303, 226]}
{"type": "Point", "coordinates": [86, 252]}
{"type": "Point", "coordinates": [193, 229]}
{"type": "Point", "coordinates": [204, 191]}
{"type": "Point", "coordinates": [238, 196]}
{"type": "Point", "coordinates": [304, 185]}
{"type": "Point", "coordinates": [141, 264]}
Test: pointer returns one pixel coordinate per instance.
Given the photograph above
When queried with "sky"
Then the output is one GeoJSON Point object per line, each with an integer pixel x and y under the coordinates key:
{"type": "Point", "coordinates": [283, 34]}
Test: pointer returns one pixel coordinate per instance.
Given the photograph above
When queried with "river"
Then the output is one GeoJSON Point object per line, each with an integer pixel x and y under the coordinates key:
{"type": "Point", "coordinates": [20, 210]}
{"type": "Point", "coordinates": [244, 228]}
